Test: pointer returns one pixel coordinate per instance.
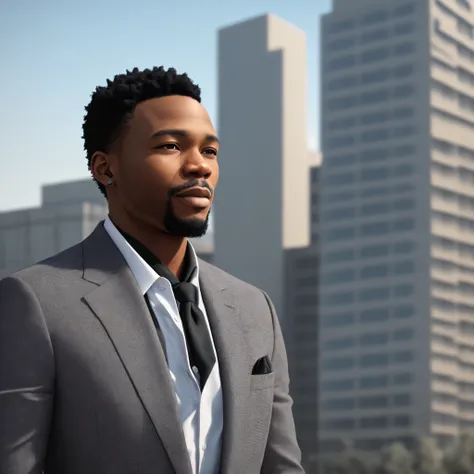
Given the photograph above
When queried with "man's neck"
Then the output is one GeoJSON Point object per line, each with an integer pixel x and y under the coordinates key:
{"type": "Point", "coordinates": [169, 249]}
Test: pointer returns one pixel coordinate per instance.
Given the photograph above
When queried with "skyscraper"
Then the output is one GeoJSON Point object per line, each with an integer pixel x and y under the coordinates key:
{"type": "Point", "coordinates": [261, 205]}
{"type": "Point", "coordinates": [397, 220]}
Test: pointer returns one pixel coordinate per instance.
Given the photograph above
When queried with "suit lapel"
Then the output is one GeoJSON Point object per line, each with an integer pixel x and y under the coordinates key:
{"type": "Point", "coordinates": [231, 346]}
{"type": "Point", "coordinates": [118, 304]}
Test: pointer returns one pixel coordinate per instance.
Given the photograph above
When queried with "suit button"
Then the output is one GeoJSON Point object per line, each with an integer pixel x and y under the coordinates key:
{"type": "Point", "coordinates": [195, 369]}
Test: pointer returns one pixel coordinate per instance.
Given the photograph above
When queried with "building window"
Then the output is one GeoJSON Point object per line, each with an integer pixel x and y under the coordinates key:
{"type": "Point", "coordinates": [342, 83]}
{"type": "Point", "coordinates": [401, 421]}
{"type": "Point", "coordinates": [403, 113]}
{"type": "Point", "coordinates": [341, 43]}
{"type": "Point", "coordinates": [374, 315]}
{"type": "Point", "coordinates": [403, 312]}
{"type": "Point", "coordinates": [375, 118]}
{"type": "Point", "coordinates": [342, 103]}
{"type": "Point", "coordinates": [374, 192]}
{"type": "Point", "coordinates": [338, 385]}
{"type": "Point", "coordinates": [373, 136]}
{"type": "Point", "coordinates": [374, 339]}
{"type": "Point", "coordinates": [374, 229]}
{"type": "Point", "coordinates": [373, 402]}
{"type": "Point", "coordinates": [338, 344]}
{"type": "Point", "coordinates": [340, 64]}
{"type": "Point", "coordinates": [340, 179]}
{"type": "Point", "coordinates": [404, 29]}
{"type": "Point", "coordinates": [403, 291]}
{"type": "Point", "coordinates": [345, 255]}
{"type": "Point", "coordinates": [340, 233]}
{"type": "Point", "coordinates": [339, 320]}
{"type": "Point", "coordinates": [402, 379]}
{"type": "Point", "coordinates": [343, 141]}
{"type": "Point", "coordinates": [405, 70]}
{"type": "Point", "coordinates": [373, 382]}
{"type": "Point", "coordinates": [341, 26]}
{"type": "Point", "coordinates": [404, 205]}
{"type": "Point", "coordinates": [338, 404]}
{"type": "Point", "coordinates": [374, 422]}
{"type": "Point", "coordinates": [404, 131]}
{"type": "Point", "coordinates": [339, 298]}
{"type": "Point", "coordinates": [376, 209]}
{"type": "Point", "coordinates": [339, 214]}
{"type": "Point", "coordinates": [338, 363]}
{"type": "Point", "coordinates": [403, 247]}
{"type": "Point", "coordinates": [403, 225]}
{"type": "Point", "coordinates": [338, 277]}
{"type": "Point", "coordinates": [375, 251]}
{"type": "Point", "coordinates": [373, 360]}
{"type": "Point", "coordinates": [373, 77]}
{"type": "Point", "coordinates": [374, 174]}
{"type": "Point", "coordinates": [404, 334]}
{"type": "Point", "coordinates": [374, 271]}
{"type": "Point", "coordinates": [372, 36]}
{"type": "Point", "coordinates": [375, 55]}
{"type": "Point", "coordinates": [406, 267]}
{"type": "Point", "coordinates": [345, 123]}
{"type": "Point", "coordinates": [374, 17]}
{"type": "Point", "coordinates": [404, 10]}
{"type": "Point", "coordinates": [373, 154]}
{"type": "Point", "coordinates": [403, 151]}
{"type": "Point", "coordinates": [338, 424]}
{"type": "Point", "coordinates": [403, 357]}
{"type": "Point", "coordinates": [404, 49]}
{"type": "Point", "coordinates": [375, 97]}
{"type": "Point", "coordinates": [401, 92]}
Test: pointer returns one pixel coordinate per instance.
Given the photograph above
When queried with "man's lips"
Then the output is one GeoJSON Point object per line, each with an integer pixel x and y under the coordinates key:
{"type": "Point", "coordinates": [195, 192]}
{"type": "Point", "coordinates": [196, 197]}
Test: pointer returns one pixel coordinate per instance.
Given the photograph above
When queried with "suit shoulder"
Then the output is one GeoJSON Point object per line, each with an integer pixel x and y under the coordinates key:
{"type": "Point", "coordinates": [230, 280]}
{"type": "Point", "coordinates": [54, 267]}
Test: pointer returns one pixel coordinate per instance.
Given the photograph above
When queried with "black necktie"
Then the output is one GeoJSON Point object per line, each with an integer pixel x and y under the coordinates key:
{"type": "Point", "coordinates": [200, 350]}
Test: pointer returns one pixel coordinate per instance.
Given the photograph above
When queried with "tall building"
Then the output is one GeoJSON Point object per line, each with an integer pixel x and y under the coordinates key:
{"type": "Point", "coordinates": [69, 212]}
{"type": "Point", "coordinates": [301, 331]}
{"type": "Point", "coordinates": [261, 205]}
{"type": "Point", "coordinates": [397, 220]}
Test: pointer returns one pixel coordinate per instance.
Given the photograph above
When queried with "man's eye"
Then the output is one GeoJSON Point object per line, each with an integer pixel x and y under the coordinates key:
{"type": "Point", "coordinates": [210, 151]}
{"type": "Point", "coordinates": [168, 146]}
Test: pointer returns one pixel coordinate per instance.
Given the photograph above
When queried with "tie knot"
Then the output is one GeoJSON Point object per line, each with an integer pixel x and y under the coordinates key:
{"type": "Point", "coordinates": [186, 292]}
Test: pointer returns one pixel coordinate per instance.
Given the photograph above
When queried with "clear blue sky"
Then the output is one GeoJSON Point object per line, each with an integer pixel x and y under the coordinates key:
{"type": "Point", "coordinates": [54, 52]}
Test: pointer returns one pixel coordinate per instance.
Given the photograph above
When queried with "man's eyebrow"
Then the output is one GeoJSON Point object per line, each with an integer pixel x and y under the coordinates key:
{"type": "Point", "coordinates": [182, 133]}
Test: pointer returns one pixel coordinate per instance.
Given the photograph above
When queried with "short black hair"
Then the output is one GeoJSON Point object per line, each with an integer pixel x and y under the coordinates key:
{"type": "Point", "coordinates": [112, 106]}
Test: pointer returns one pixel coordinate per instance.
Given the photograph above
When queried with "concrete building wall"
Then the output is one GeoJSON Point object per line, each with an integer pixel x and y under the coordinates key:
{"type": "Point", "coordinates": [261, 201]}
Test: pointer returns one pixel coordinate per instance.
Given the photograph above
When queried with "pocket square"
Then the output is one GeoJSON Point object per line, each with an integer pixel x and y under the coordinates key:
{"type": "Point", "coordinates": [262, 366]}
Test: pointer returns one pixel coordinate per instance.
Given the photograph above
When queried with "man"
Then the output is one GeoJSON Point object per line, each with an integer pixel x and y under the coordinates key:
{"type": "Point", "coordinates": [125, 353]}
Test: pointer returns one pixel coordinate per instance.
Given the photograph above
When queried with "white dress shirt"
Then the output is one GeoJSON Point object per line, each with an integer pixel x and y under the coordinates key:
{"type": "Point", "coordinates": [201, 413]}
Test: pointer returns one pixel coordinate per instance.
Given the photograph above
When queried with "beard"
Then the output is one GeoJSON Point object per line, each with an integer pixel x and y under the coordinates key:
{"type": "Point", "coordinates": [190, 228]}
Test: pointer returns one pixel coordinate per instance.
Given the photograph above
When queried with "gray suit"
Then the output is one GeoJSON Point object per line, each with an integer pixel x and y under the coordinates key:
{"type": "Point", "coordinates": [84, 384]}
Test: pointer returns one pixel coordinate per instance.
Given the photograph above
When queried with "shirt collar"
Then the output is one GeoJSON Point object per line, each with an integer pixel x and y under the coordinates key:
{"type": "Point", "coordinates": [143, 273]}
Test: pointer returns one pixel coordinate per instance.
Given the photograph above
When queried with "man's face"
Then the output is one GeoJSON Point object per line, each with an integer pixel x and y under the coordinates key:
{"type": "Point", "coordinates": [165, 169]}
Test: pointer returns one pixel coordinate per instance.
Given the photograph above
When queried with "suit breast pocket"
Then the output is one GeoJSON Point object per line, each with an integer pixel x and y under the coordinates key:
{"type": "Point", "coordinates": [262, 381]}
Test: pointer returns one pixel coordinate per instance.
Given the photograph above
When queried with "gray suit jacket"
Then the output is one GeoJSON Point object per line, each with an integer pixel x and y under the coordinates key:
{"type": "Point", "coordinates": [84, 384]}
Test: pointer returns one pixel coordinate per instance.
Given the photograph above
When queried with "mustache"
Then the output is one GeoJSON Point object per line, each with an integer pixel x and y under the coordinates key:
{"type": "Point", "coordinates": [195, 183]}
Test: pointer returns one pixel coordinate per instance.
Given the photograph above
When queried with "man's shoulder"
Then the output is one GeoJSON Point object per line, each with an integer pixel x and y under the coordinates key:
{"type": "Point", "coordinates": [54, 268]}
{"type": "Point", "coordinates": [230, 281]}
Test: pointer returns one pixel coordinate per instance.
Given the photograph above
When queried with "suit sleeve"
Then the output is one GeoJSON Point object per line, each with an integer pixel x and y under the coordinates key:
{"type": "Point", "coordinates": [26, 380]}
{"type": "Point", "coordinates": [282, 454]}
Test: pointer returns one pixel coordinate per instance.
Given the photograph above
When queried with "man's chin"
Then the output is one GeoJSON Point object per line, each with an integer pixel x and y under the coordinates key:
{"type": "Point", "coordinates": [191, 227]}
